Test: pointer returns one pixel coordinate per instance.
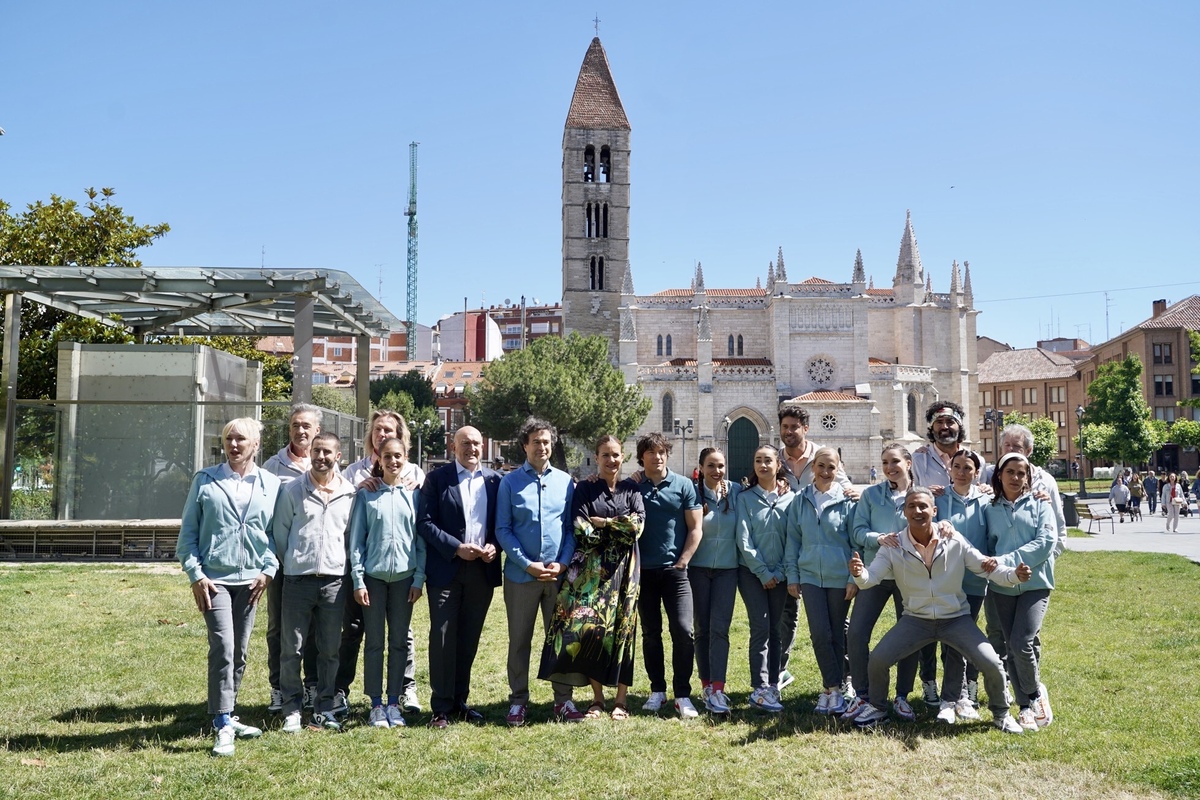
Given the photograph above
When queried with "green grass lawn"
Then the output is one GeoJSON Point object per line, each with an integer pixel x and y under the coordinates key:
{"type": "Point", "coordinates": [102, 694]}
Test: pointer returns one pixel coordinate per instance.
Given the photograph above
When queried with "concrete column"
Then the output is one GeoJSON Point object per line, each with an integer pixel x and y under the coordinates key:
{"type": "Point", "coordinates": [362, 383]}
{"type": "Point", "coordinates": [8, 377]}
{"type": "Point", "coordinates": [302, 361]}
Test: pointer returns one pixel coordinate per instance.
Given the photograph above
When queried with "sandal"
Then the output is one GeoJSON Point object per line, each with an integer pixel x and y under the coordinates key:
{"type": "Point", "coordinates": [595, 710]}
{"type": "Point", "coordinates": [620, 712]}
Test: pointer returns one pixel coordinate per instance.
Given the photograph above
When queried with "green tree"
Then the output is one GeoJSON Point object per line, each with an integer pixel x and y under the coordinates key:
{"type": "Point", "coordinates": [60, 233]}
{"type": "Point", "coordinates": [423, 420]}
{"type": "Point", "coordinates": [326, 396]}
{"type": "Point", "coordinates": [1185, 433]}
{"type": "Point", "coordinates": [412, 383]}
{"type": "Point", "coordinates": [1117, 400]}
{"type": "Point", "coordinates": [568, 382]}
{"type": "Point", "coordinates": [1096, 441]}
{"type": "Point", "coordinates": [1045, 435]}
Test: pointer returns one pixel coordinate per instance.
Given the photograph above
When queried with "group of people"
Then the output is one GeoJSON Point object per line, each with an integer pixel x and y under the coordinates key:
{"type": "Point", "coordinates": [343, 556]}
{"type": "Point", "coordinates": [1170, 493]}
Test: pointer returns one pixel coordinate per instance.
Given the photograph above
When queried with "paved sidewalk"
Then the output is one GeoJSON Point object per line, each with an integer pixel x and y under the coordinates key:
{"type": "Point", "coordinates": [1149, 535]}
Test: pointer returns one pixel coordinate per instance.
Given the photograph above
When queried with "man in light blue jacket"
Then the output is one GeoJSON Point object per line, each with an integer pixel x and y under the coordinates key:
{"type": "Point", "coordinates": [533, 527]}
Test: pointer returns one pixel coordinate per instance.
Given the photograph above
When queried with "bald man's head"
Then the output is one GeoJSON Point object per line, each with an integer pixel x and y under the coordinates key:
{"type": "Point", "coordinates": [468, 447]}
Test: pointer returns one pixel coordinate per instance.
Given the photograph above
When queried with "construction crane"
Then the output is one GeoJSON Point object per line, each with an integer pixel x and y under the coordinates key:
{"type": "Point", "coordinates": [411, 213]}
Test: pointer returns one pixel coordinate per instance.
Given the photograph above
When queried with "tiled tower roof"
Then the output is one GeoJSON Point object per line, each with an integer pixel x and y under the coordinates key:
{"type": "Point", "coordinates": [596, 102]}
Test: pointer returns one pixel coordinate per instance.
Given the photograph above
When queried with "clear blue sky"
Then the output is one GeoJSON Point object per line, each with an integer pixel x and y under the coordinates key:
{"type": "Point", "coordinates": [1053, 145]}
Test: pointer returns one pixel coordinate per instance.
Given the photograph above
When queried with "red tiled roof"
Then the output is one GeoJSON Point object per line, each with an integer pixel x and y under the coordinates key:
{"type": "Point", "coordinates": [815, 279]}
{"type": "Point", "coordinates": [826, 397]}
{"type": "Point", "coordinates": [742, 362]}
{"type": "Point", "coordinates": [1184, 314]}
{"type": "Point", "coordinates": [681, 362]}
{"type": "Point", "coordinates": [880, 292]}
{"type": "Point", "coordinates": [1028, 364]}
{"type": "Point", "coordinates": [596, 102]}
{"type": "Point", "coordinates": [873, 360]}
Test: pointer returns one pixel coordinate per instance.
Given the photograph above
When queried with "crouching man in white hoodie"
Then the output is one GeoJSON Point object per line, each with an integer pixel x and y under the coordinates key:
{"type": "Point", "coordinates": [928, 570]}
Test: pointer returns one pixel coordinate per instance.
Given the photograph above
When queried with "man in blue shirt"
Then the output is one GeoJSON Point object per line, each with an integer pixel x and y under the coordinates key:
{"type": "Point", "coordinates": [533, 527]}
{"type": "Point", "coordinates": [670, 537]}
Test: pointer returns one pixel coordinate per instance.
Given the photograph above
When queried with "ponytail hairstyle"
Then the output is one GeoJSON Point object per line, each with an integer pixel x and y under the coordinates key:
{"type": "Point", "coordinates": [904, 452]}
{"type": "Point", "coordinates": [704, 454]}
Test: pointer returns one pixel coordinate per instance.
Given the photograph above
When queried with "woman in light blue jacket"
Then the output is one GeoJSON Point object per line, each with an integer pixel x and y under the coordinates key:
{"type": "Point", "coordinates": [878, 517]}
{"type": "Point", "coordinates": [224, 547]}
{"type": "Point", "coordinates": [817, 556]}
{"type": "Point", "coordinates": [963, 505]}
{"type": "Point", "coordinates": [1022, 529]}
{"type": "Point", "coordinates": [762, 575]}
{"type": "Point", "coordinates": [713, 575]}
{"type": "Point", "coordinates": [387, 564]}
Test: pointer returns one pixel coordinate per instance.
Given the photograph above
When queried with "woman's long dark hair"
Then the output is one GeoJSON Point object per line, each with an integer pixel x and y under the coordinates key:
{"type": "Point", "coordinates": [724, 507]}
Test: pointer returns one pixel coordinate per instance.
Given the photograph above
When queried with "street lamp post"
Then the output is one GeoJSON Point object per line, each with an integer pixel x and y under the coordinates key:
{"type": "Point", "coordinates": [995, 418]}
{"type": "Point", "coordinates": [683, 431]}
{"type": "Point", "coordinates": [1079, 410]}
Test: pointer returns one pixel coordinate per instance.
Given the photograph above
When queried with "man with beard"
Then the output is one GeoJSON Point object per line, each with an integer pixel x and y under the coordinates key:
{"type": "Point", "coordinates": [931, 462]}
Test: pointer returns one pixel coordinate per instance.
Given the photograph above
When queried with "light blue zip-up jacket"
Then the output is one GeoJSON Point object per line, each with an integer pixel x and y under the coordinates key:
{"type": "Point", "coordinates": [214, 542]}
{"type": "Point", "coordinates": [718, 548]}
{"type": "Point", "coordinates": [1023, 531]}
{"type": "Point", "coordinates": [762, 533]}
{"type": "Point", "coordinates": [383, 537]}
{"type": "Point", "coordinates": [310, 527]}
{"type": "Point", "coordinates": [818, 545]}
{"type": "Point", "coordinates": [967, 515]}
{"type": "Point", "coordinates": [875, 515]}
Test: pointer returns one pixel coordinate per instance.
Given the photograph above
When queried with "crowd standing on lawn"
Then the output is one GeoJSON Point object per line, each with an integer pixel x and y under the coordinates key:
{"type": "Point", "coordinates": [941, 536]}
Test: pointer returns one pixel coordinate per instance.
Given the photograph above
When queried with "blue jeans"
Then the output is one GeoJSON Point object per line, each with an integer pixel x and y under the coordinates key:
{"type": "Point", "coordinates": [713, 591]}
{"type": "Point", "coordinates": [764, 609]}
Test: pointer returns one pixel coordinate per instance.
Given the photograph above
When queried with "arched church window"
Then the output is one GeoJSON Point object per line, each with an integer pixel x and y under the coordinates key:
{"type": "Point", "coordinates": [740, 350]}
{"type": "Point", "coordinates": [731, 344]}
{"type": "Point", "coordinates": [587, 220]}
{"type": "Point", "coordinates": [605, 164]}
{"type": "Point", "coordinates": [912, 413]}
{"type": "Point", "coordinates": [660, 344]}
{"type": "Point", "coordinates": [604, 223]}
{"type": "Point", "coordinates": [668, 413]}
{"type": "Point", "coordinates": [668, 344]}
{"type": "Point", "coordinates": [589, 164]}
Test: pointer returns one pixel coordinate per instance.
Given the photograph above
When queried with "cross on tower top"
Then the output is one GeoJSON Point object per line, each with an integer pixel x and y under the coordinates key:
{"type": "Point", "coordinates": [596, 22]}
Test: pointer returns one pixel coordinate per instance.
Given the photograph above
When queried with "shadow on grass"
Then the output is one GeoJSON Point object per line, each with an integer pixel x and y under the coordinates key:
{"type": "Point", "coordinates": [142, 726]}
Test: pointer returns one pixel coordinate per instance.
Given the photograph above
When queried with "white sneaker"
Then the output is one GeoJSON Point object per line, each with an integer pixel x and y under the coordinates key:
{"type": "Point", "coordinates": [785, 679]}
{"type": "Point", "coordinates": [946, 712]}
{"type": "Point", "coordinates": [1007, 724]}
{"type": "Point", "coordinates": [686, 710]}
{"type": "Point", "coordinates": [855, 707]}
{"type": "Point", "coordinates": [715, 700]}
{"type": "Point", "coordinates": [837, 702]}
{"type": "Point", "coordinates": [903, 710]}
{"type": "Point", "coordinates": [224, 745]}
{"type": "Point", "coordinates": [276, 704]}
{"type": "Point", "coordinates": [848, 689]}
{"type": "Point", "coordinates": [292, 723]}
{"type": "Point", "coordinates": [870, 716]}
{"type": "Point", "coordinates": [823, 702]}
{"type": "Point", "coordinates": [1042, 711]}
{"type": "Point", "coordinates": [244, 731]}
{"type": "Point", "coordinates": [655, 701]}
{"type": "Point", "coordinates": [394, 717]}
{"type": "Point", "coordinates": [763, 698]}
{"type": "Point", "coordinates": [965, 710]}
{"type": "Point", "coordinates": [411, 703]}
{"type": "Point", "coordinates": [933, 698]}
{"type": "Point", "coordinates": [377, 718]}
{"type": "Point", "coordinates": [1027, 720]}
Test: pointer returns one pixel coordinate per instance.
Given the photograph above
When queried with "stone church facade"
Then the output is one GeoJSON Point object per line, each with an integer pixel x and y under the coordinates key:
{"type": "Point", "coordinates": [864, 362]}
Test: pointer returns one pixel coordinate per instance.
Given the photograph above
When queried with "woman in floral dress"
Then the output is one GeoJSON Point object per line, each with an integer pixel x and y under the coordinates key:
{"type": "Point", "coordinates": [591, 640]}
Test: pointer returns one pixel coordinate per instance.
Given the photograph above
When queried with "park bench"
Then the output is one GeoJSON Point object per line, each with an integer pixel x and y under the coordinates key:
{"type": "Point", "coordinates": [1097, 512]}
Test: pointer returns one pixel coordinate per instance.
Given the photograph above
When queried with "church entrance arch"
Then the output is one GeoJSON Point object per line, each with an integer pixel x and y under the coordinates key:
{"type": "Point", "coordinates": [743, 441]}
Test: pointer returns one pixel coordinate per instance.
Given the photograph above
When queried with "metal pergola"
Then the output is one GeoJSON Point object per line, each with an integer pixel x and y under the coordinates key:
{"type": "Point", "coordinates": [195, 301]}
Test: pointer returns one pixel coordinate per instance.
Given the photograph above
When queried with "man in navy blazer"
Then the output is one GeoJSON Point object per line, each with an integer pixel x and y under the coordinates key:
{"type": "Point", "coordinates": [457, 519]}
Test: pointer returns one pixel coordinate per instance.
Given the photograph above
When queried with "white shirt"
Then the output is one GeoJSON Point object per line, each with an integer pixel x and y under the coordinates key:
{"type": "Point", "coordinates": [474, 500]}
{"type": "Point", "coordinates": [241, 487]}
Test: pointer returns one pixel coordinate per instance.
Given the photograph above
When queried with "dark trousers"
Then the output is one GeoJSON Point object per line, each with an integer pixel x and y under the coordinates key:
{"type": "Point", "coordinates": [974, 602]}
{"type": "Point", "coordinates": [868, 606]}
{"type": "Point", "coordinates": [456, 615]}
{"type": "Point", "coordinates": [667, 589]}
{"type": "Point", "coordinates": [274, 632]}
{"type": "Point", "coordinates": [352, 637]}
{"type": "Point", "coordinates": [311, 620]}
